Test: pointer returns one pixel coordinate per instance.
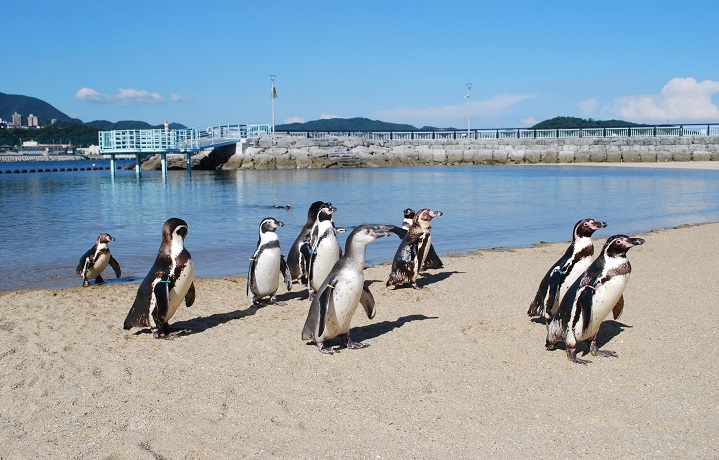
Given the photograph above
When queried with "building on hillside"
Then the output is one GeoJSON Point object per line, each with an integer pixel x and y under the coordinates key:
{"type": "Point", "coordinates": [16, 119]}
{"type": "Point", "coordinates": [32, 120]}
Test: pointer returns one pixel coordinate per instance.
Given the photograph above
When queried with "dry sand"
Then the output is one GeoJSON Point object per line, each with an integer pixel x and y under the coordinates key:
{"type": "Point", "coordinates": [456, 370]}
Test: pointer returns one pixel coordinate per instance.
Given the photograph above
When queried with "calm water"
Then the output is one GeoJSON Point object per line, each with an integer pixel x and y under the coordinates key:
{"type": "Point", "coordinates": [50, 219]}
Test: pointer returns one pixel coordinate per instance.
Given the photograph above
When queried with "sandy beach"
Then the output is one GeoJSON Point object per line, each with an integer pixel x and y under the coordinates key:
{"type": "Point", "coordinates": [455, 370]}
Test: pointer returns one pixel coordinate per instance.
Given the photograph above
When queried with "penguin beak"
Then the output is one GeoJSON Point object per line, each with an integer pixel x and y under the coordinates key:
{"type": "Point", "coordinates": [279, 224]}
{"type": "Point", "coordinates": [636, 241]}
{"type": "Point", "coordinates": [599, 224]}
{"type": "Point", "coordinates": [384, 230]}
{"type": "Point", "coordinates": [435, 213]}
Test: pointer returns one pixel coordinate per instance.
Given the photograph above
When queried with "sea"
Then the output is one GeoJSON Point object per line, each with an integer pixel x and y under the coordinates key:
{"type": "Point", "coordinates": [49, 219]}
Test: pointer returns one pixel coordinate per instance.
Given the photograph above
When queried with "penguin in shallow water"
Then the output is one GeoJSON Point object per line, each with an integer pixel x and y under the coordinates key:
{"type": "Point", "coordinates": [591, 297]}
{"type": "Point", "coordinates": [337, 298]}
{"type": "Point", "coordinates": [563, 272]}
{"type": "Point", "coordinates": [169, 281]}
{"type": "Point", "coordinates": [413, 249]}
{"type": "Point", "coordinates": [267, 264]}
{"type": "Point", "coordinates": [295, 259]}
{"type": "Point", "coordinates": [322, 250]}
{"type": "Point", "coordinates": [96, 259]}
{"type": "Point", "coordinates": [432, 261]}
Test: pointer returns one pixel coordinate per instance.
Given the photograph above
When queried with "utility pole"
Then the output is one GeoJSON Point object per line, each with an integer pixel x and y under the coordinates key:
{"type": "Point", "coordinates": [273, 95]}
{"type": "Point", "coordinates": [469, 97]}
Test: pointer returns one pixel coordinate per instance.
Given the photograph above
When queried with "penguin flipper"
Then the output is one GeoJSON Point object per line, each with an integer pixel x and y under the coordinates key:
{"type": "Point", "coordinates": [324, 304]}
{"type": "Point", "coordinates": [115, 266]}
{"type": "Point", "coordinates": [250, 274]}
{"type": "Point", "coordinates": [286, 274]}
{"type": "Point", "coordinates": [162, 298]}
{"type": "Point", "coordinates": [553, 283]}
{"type": "Point", "coordinates": [618, 308]}
{"type": "Point", "coordinates": [367, 302]}
{"type": "Point", "coordinates": [84, 262]}
{"type": "Point", "coordinates": [399, 231]}
{"type": "Point", "coordinates": [305, 259]}
{"type": "Point", "coordinates": [190, 296]}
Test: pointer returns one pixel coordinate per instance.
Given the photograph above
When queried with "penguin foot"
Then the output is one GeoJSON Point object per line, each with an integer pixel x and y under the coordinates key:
{"type": "Point", "coordinates": [322, 349]}
{"type": "Point", "coordinates": [572, 356]}
{"type": "Point", "coordinates": [595, 351]}
{"type": "Point", "coordinates": [356, 345]}
{"type": "Point", "coordinates": [414, 286]}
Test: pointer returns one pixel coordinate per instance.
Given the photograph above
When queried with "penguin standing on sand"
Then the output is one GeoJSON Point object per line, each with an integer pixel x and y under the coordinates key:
{"type": "Point", "coordinates": [413, 249]}
{"type": "Point", "coordinates": [432, 261]}
{"type": "Point", "coordinates": [337, 298]}
{"type": "Point", "coordinates": [295, 260]}
{"type": "Point", "coordinates": [322, 250]}
{"type": "Point", "coordinates": [561, 275]}
{"type": "Point", "coordinates": [96, 259]}
{"type": "Point", "coordinates": [267, 264]}
{"type": "Point", "coordinates": [169, 281]}
{"type": "Point", "coordinates": [591, 297]}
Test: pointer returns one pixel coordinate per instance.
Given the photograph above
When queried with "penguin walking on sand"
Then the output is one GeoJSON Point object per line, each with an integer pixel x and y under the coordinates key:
{"type": "Point", "coordinates": [413, 249]}
{"type": "Point", "coordinates": [169, 281]}
{"type": "Point", "coordinates": [267, 264]}
{"type": "Point", "coordinates": [295, 259]}
{"type": "Point", "coordinates": [96, 259]}
{"type": "Point", "coordinates": [591, 297]}
{"type": "Point", "coordinates": [576, 259]}
{"type": "Point", "coordinates": [322, 250]}
{"type": "Point", "coordinates": [337, 298]}
{"type": "Point", "coordinates": [432, 261]}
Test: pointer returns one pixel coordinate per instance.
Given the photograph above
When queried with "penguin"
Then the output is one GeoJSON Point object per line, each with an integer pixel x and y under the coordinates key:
{"type": "Point", "coordinates": [563, 272]}
{"type": "Point", "coordinates": [169, 281]}
{"type": "Point", "coordinates": [337, 298]}
{"type": "Point", "coordinates": [295, 260]}
{"type": "Point", "coordinates": [322, 250]}
{"type": "Point", "coordinates": [96, 259]}
{"type": "Point", "coordinates": [432, 261]}
{"type": "Point", "coordinates": [591, 297]}
{"type": "Point", "coordinates": [413, 249]}
{"type": "Point", "coordinates": [266, 265]}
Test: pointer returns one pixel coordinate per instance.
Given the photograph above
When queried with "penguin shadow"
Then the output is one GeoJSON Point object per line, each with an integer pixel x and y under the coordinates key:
{"type": "Point", "coordinates": [432, 278]}
{"type": "Point", "coordinates": [538, 320]}
{"type": "Point", "coordinates": [372, 331]}
{"type": "Point", "coordinates": [203, 323]}
{"type": "Point", "coordinates": [301, 294]}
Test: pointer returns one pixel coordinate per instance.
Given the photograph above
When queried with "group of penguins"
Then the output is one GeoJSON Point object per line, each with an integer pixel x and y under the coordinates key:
{"type": "Point", "coordinates": [574, 297]}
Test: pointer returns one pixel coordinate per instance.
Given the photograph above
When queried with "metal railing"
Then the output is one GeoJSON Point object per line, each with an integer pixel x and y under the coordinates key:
{"type": "Point", "coordinates": [176, 140]}
{"type": "Point", "coordinates": [522, 133]}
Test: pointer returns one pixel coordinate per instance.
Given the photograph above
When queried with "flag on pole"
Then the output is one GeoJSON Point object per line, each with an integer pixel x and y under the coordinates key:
{"type": "Point", "coordinates": [274, 92]}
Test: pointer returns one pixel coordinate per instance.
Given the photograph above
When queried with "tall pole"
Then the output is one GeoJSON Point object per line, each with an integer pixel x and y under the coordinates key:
{"type": "Point", "coordinates": [273, 95]}
{"type": "Point", "coordinates": [469, 97]}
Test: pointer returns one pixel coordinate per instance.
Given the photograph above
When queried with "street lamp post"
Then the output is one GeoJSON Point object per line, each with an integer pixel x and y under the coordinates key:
{"type": "Point", "coordinates": [469, 97]}
{"type": "Point", "coordinates": [273, 95]}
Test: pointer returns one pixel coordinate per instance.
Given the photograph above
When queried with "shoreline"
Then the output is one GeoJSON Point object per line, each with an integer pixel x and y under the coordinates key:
{"type": "Point", "coordinates": [455, 369]}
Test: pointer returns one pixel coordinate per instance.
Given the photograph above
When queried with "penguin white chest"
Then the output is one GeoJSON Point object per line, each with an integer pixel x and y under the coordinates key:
{"type": "Point", "coordinates": [179, 290]}
{"type": "Point", "coordinates": [576, 270]}
{"type": "Point", "coordinates": [327, 253]}
{"type": "Point", "coordinates": [267, 271]}
{"type": "Point", "coordinates": [100, 264]}
{"type": "Point", "coordinates": [343, 303]}
{"type": "Point", "coordinates": [605, 297]}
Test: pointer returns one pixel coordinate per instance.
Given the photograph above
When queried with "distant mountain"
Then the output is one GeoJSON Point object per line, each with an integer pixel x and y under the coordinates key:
{"type": "Point", "coordinates": [104, 125]}
{"type": "Point", "coordinates": [345, 124]}
{"type": "Point", "coordinates": [573, 122]}
{"type": "Point", "coordinates": [26, 105]}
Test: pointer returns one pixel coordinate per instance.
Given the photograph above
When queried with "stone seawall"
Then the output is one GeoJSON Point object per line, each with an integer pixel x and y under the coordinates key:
{"type": "Point", "coordinates": [287, 152]}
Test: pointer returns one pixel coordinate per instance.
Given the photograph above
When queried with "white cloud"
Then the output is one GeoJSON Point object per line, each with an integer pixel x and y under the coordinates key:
{"type": "Point", "coordinates": [588, 107]}
{"type": "Point", "coordinates": [327, 116]}
{"type": "Point", "coordinates": [293, 120]}
{"type": "Point", "coordinates": [449, 114]}
{"type": "Point", "coordinates": [123, 97]}
{"type": "Point", "coordinates": [174, 97]}
{"type": "Point", "coordinates": [682, 99]}
{"type": "Point", "coordinates": [529, 121]}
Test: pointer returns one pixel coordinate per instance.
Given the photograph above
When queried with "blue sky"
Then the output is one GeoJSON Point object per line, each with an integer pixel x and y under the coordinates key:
{"type": "Point", "coordinates": [206, 63]}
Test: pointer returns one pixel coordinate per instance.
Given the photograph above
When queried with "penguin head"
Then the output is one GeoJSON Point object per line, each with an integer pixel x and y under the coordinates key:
{"type": "Point", "coordinates": [408, 213]}
{"type": "Point", "coordinates": [174, 227]}
{"type": "Point", "coordinates": [314, 209]}
{"type": "Point", "coordinates": [367, 233]}
{"type": "Point", "coordinates": [426, 215]}
{"type": "Point", "coordinates": [618, 245]}
{"type": "Point", "coordinates": [105, 238]}
{"type": "Point", "coordinates": [270, 224]}
{"type": "Point", "coordinates": [586, 227]}
{"type": "Point", "coordinates": [326, 211]}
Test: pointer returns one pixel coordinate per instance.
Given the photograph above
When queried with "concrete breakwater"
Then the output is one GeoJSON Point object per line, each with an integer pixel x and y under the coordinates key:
{"type": "Point", "coordinates": [287, 152]}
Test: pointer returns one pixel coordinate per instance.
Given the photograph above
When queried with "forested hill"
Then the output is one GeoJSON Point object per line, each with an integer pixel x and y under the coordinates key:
{"type": "Point", "coordinates": [345, 124]}
{"type": "Point", "coordinates": [573, 122]}
{"type": "Point", "coordinates": [26, 105]}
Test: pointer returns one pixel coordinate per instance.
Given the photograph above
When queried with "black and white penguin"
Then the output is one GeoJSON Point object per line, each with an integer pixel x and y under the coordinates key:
{"type": "Point", "coordinates": [96, 259]}
{"type": "Point", "coordinates": [267, 264]}
{"type": "Point", "coordinates": [432, 261]}
{"type": "Point", "coordinates": [413, 249]}
{"type": "Point", "coordinates": [337, 298]}
{"type": "Point", "coordinates": [576, 259]}
{"type": "Point", "coordinates": [295, 260]}
{"type": "Point", "coordinates": [322, 249]}
{"type": "Point", "coordinates": [591, 297]}
{"type": "Point", "coordinates": [169, 281]}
